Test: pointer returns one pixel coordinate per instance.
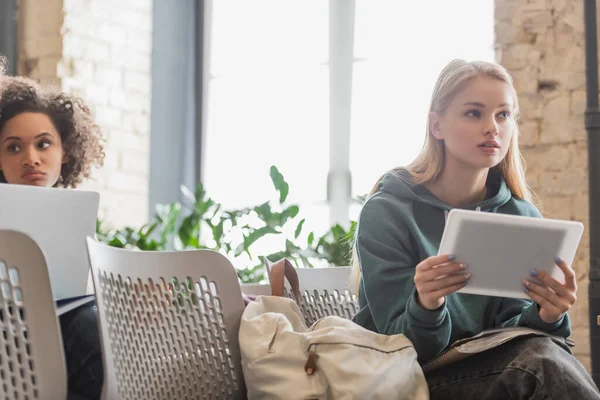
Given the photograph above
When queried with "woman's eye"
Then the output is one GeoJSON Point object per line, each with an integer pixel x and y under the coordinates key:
{"type": "Point", "coordinates": [44, 144]}
{"type": "Point", "coordinates": [474, 113]}
{"type": "Point", "coordinates": [13, 148]}
{"type": "Point", "coordinates": [504, 114]}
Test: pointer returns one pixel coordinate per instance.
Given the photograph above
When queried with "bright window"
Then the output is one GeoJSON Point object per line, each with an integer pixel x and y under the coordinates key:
{"type": "Point", "coordinates": [268, 102]}
{"type": "Point", "coordinates": [269, 89]}
{"type": "Point", "coordinates": [400, 51]}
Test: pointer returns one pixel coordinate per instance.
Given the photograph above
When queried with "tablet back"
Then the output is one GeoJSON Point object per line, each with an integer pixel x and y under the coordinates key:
{"type": "Point", "coordinates": [500, 250]}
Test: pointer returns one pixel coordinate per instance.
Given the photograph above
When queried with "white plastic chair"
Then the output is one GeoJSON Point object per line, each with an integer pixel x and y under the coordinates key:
{"type": "Point", "coordinates": [169, 323]}
{"type": "Point", "coordinates": [256, 289]}
{"type": "Point", "coordinates": [32, 364]}
{"type": "Point", "coordinates": [325, 292]}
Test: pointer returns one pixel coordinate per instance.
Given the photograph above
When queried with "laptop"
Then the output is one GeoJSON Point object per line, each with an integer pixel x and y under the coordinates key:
{"type": "Point", "coordinates": [58, 220]}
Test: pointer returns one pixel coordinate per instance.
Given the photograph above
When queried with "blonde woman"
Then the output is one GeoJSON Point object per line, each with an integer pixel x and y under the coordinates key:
{"type": "Point", "coordinates": [470, 160]}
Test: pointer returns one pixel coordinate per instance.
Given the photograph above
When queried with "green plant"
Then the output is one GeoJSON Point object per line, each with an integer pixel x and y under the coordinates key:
{"type": "Point", "coordinates": [202, 223]}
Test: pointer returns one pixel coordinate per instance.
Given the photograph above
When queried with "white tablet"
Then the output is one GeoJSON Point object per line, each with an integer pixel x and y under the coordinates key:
{"type": "Point", "coordinates": [500, 250]}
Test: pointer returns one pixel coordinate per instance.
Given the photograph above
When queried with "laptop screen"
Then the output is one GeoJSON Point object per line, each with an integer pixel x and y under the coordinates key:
{"type": "Point", "coordinates": [58, 220]}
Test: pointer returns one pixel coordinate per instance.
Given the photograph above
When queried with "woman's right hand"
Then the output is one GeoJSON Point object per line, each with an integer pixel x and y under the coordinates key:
{"type": "Point", "coordinates": [436, 277]}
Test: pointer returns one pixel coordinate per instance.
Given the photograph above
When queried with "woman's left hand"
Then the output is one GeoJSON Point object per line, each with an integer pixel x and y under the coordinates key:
{"type": "Point", "coordinates": [554, 298]}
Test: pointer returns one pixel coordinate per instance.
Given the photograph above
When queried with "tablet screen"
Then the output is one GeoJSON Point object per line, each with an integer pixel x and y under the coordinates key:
{"type": "Point", "coordinates": [499, 256]}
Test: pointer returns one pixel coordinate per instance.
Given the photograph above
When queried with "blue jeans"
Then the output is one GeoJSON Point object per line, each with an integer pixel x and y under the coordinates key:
{"type": "Point", "coordinates": [525, 368]}
{"type": "Point", "coordinates": [83, 353]}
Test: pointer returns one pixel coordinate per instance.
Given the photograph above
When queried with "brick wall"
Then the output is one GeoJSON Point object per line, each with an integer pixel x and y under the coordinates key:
{"type": "Point", "coordinates": [100, 50]}
{"type": "Point", "coordinates": [541, 43]}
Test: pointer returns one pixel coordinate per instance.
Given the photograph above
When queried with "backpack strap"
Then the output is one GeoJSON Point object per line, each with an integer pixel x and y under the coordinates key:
{"type": "Point", "coordinates": [278, 272]}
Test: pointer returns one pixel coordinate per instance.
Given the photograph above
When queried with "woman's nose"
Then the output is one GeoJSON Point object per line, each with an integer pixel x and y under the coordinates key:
{"type": "Point", "coordinates": [31, 159]}
{"type": "Point", "coordinates": [492, 127]}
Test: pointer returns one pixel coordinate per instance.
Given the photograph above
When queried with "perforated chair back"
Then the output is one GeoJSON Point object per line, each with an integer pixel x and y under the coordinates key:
{"type": "Point", "coordinates": [325, 292]}
{"type": "Point", "coordinates": [32, 364]}
{"type": "Point", "coordinates": [169, 323]}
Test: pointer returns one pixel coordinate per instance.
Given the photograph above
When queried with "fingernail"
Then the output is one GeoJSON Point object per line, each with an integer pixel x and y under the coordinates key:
{"type": "Point", "coordinates": [533, 272]}
{"type": "Point", "coordinates": [464, 283]}
{"type": "Point", "coordinates": [558, 260]}
{"type": "Point", "coordinates": [526, 290]}
{"type": "Point", "coordinates": [526, 283]}
{"type": "Point", "coordinates": [452, 257]}
{"type": "Point", "coordinates": [462, 266]}
{"type": "Point", "coordinates": [467, 276]}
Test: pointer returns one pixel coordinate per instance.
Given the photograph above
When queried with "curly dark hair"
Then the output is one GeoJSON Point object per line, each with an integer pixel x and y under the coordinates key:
{"type": "Point", "coordinates": [81, 137]}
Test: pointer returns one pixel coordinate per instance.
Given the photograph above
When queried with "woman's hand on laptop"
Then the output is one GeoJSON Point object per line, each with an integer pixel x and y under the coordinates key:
{"type": "Point", "coordinates": [553, 297]}
{"type": "Point", "coordinates": [436, 277]}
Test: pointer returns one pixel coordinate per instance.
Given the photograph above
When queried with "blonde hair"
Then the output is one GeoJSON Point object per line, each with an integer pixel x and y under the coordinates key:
{"type": "Point", "coordinates": [428, 165]}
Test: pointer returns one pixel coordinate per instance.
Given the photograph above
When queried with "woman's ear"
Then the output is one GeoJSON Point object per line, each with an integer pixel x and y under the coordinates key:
{"type": "Point", "coordinates": [64, 156]}
{"type": "Point", "coordinates": [435, 125]}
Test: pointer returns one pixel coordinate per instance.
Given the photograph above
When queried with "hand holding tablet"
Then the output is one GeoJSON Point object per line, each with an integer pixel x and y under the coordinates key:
{"type": "Point", "coordinates": [502, 252]}
{"type": "Point", "coordinates": [437, 277]}
{"type": "Point", "coordinates": [554, 298]}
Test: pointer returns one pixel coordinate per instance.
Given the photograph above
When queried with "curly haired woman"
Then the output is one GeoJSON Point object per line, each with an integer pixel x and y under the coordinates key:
{"type": "Point", "coordinates": [48, 138]}
{"type": "Point", "coordinates": [47, 132]}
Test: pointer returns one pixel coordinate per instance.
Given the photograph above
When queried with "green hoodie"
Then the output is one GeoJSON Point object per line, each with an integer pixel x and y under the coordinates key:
{"type": "Point", "coordinates": [399, 227]}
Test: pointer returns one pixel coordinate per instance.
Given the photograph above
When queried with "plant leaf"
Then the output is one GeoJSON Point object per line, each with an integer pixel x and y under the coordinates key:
{"type": "Point", "coordinates": [252, 237]}
{"type": "Point", "coordinates": [288, 213]}
{"type": "Point", "coordinates": [264, 211]}
{"type": "Point", "coordinates": [188, 194]}
{"type": "Point", "coordinates": [280, 184]}
{"type": "Point", "coordinates": [217, 231]}
{"type": "Point", "coordinates": [299, 228]}
{"type": "Point", "coordinates": [252, 275]}
{"type": "Point", "coordinates": [189, 229]}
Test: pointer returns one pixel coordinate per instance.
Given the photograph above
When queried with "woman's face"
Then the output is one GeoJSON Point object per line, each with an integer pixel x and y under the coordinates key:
{"type": "Point", "coordinates": [478, 125]}
{"type": "Point", "coordinates": [31, 151]}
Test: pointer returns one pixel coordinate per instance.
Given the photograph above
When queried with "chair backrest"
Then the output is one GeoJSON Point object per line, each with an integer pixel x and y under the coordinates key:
{"type": "Point", "coordinates": [256, 289]}
{"type": "Point", "coordinates": [169, 323]}
{"type": "Point", "coordinates": [325, 292]}
{"type": "Point", "coordinates": [32, 364]}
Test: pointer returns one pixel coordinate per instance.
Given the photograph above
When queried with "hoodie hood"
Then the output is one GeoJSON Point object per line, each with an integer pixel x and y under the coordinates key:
{"type": "Point", "coordinates": [400, 184]}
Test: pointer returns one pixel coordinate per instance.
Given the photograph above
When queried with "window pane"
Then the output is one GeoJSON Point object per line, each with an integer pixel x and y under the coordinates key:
{"type": "Point", "coordinates": [426, 30]}
{"type": "Point", "coordinates": [257, 122]}
{"type": "Point", "coordinates": [268, 105]}
{"type": "Point", "coordinates": [388, 120]}
{"type": "Point", "coordinates": [402, 53]}
{"type": "Point", "coordinates": [251, 36]}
